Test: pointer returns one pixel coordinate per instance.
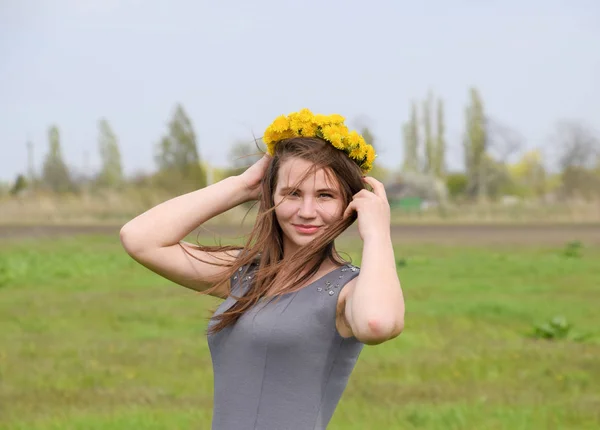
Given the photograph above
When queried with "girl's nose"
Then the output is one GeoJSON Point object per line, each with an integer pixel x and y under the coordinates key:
{"type": "Point", "coordinates": [308, 208]}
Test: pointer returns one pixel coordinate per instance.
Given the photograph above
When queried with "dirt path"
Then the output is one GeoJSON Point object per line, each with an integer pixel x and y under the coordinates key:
{"type": "Point", "coordinates": [443, 234]}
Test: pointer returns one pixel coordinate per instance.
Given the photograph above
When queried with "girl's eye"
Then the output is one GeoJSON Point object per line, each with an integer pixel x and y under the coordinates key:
{"type": "Point", "coordinates": [325, 195]}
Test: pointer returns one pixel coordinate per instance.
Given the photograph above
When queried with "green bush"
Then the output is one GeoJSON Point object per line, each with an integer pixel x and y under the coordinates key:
{"type": "Point", "coordinates": [573, 249]}
{"type": "Point", "coordinates": [557, 328]}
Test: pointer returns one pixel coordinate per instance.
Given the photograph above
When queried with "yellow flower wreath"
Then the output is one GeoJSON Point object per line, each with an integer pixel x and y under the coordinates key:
{"type": "Point", "coordinates": [327, 127]}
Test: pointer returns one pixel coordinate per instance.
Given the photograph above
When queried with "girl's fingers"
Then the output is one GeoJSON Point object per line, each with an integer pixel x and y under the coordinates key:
{"type": "Point", "coordinates": [349, 210]}
{"type": "Point", "coordinates": [378, 188]}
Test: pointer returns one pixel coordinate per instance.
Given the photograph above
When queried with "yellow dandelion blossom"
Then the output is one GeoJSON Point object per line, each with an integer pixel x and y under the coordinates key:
{"type": "Point", "coordinates": [286, 134]}
{"type": "Point", "coordinates": [333, 134]}
{"type": "Point", "coordinates": [354, 139]}
{"type": "Point", "coordinates": [321, 120]}
{"type": "Point", "coordinates": [309, 129]}
{"type": "Point", "coordinates": [327, 132]}
{"type": "Point", "coordinates": [336, 140]}
{"type": "Point", "coordinates": [336, 119]}
{"type": "Point", "coordinates": [296, 125]}
{"type": "Point", "coordinates": [268, 136]}
{"type": "Point", "coordinates": [280, 124]}
{"type": "Point", "coordinates": [272, 137]}
{"type": "Point", "coordinates": [370, 154]}
{"type": "Point", "coordinates": [343, 130]}
{"type": "Point", "coordinates": [306, 115]}
{"type": "Point", "coordinates": [358, 152]}
{"type": "Point", "coordinates": [340, 129]}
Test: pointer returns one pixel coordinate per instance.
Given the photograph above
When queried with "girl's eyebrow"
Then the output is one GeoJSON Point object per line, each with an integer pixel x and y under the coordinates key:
{"type": "Point", "coordinates": [320, 190]}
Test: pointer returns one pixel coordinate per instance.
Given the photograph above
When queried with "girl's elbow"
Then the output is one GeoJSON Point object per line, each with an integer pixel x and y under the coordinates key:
{"type": "Point", "coordinates": [377, 331]}
{"type": "Point", "coordinates": [130, 240]}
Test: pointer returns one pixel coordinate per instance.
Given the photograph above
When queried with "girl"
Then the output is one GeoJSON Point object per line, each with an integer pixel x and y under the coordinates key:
{"type": "Point", "coordinates": [296, 315]}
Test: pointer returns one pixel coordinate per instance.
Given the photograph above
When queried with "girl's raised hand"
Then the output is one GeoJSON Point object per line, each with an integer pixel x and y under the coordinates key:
{"type": "Point", "coordinates": [253, 176]}
{"type": "Point", "coordinates": [372, 209]}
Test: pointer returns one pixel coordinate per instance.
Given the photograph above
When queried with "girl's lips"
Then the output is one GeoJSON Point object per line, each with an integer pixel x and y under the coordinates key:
{"type": "Point", "coordinates": [306, 229]}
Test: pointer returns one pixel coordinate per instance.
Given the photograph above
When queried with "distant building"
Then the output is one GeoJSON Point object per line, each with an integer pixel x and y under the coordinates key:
{"type": "Point", "coordinates": [413, 192]}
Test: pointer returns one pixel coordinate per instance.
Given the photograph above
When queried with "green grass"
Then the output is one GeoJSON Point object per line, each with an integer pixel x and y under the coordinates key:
{"type": "Point", "coordinates": [91, 340]}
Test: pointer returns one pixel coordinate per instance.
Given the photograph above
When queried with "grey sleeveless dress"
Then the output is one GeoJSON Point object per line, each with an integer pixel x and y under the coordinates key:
{"type": "Point", "coordinates": [282, 365]}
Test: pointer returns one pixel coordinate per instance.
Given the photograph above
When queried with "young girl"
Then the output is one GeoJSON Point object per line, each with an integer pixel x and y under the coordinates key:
{"type": "Point", "coordinates": [296, 315]}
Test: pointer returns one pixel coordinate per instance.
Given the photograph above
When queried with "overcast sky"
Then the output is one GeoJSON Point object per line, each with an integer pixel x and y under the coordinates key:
{"type": "Point", "coordinates": [236, 65]}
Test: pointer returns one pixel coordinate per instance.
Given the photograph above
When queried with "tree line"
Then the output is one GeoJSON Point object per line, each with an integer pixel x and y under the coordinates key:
{"type": "Point", "coordinates": [487, 145]}
{"type": "Point", "coordinates": [177, 159]}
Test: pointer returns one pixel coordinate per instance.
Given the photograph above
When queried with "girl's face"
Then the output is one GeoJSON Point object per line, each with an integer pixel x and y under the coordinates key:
{"type": "Point", "coordinates": [304, 213]}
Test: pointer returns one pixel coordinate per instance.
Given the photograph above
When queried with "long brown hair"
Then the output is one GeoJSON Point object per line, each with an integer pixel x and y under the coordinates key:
{"type": "Point", "coordinates": [264, 246]}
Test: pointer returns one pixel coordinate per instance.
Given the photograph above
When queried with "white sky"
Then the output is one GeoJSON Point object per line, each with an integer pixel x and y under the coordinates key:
{"type": "Point", "coordinates": [235, 65]}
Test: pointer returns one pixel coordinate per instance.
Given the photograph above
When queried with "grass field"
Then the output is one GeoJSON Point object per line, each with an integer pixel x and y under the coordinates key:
{"type": "Point", "coordinates": [91, 340]}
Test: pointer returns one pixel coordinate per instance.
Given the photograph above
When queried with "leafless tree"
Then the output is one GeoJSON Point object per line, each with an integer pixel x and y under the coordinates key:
{"type": "Point", "coordinates": [503, 141]}
{"type": "Point", "coordinates": [578, 150]}
{"type": "Point", "coordinates": [577, 144]}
